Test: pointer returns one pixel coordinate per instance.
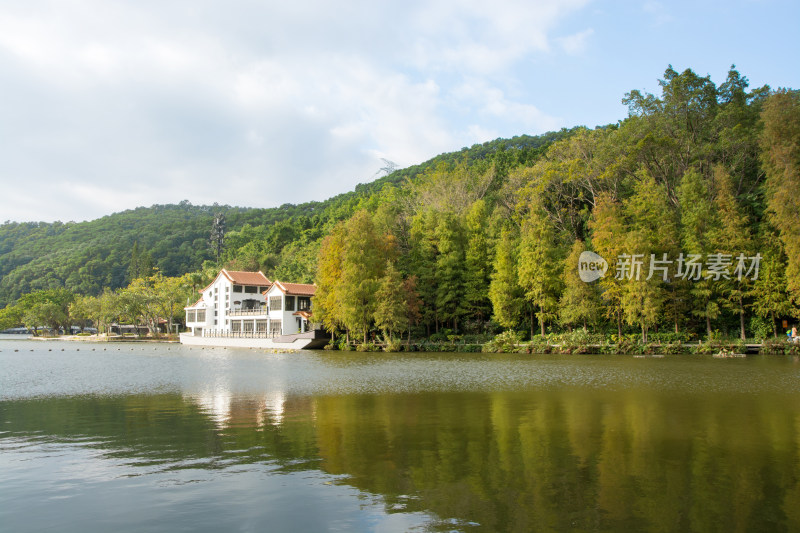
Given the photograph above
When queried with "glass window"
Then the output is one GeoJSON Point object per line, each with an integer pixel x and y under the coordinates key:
{"type": "Point", "coordinates": [237, 288]}
{"type": "Point", "coordinates": [303, 303]}
{"type": "Point", "coordinates": [290, 303]}
{"type": "Point", "coordinates": [275, 303]}
{"type": "Point", "coordinates": [275, 327]}
{"type": "Point", "coordinates": [251, 289]}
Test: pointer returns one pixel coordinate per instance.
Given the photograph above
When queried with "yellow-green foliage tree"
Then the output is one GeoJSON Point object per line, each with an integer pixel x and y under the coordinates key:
{"type": "Point", "coordinates": [780, 143]}
{"type": "Point", "coordinates": [579, 304]}
{"type": "Point", "coordinates": [540, 266]}
{"type": "Point", "coordinates": [508, 298]}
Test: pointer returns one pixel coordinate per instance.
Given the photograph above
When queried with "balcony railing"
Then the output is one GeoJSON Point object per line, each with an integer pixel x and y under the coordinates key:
{"type": "Point", "coordinates": [239, 334]}
{"type": "Point", "coordinates": [249, 312]}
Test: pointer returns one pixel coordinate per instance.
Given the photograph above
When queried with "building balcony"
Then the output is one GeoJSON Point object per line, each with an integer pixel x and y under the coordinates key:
{"type": "Point", "coordinates": [249, 312]}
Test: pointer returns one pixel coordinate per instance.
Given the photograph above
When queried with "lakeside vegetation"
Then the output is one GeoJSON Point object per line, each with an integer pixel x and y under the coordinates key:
{"type": "Point", "coordinates": [485, 240]}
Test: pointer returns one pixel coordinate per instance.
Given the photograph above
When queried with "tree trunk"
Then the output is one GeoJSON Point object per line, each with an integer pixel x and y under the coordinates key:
{"type": "Point", "coordinates": [619, 326]}
{"type": "Point", "coordinates": [742, 333]}
{"type": "Point", "coordinates": [708, 325]}
{"type": "Point", "coordinates": [531, 321]}
{"type": "Point", "coordinates": [774, 327]}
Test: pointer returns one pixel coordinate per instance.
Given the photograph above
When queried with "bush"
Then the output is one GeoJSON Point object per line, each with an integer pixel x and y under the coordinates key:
{"type": "Point", "coordinates": [779, 346]}
{"type": "Point", "coordinates": [717, 346]}
{"type": "Point", "coordinates": [760, 328]}
{"type": "Point", "coordinates": [506, 342]}
{"type": "Point", "coordinates": [392, 345]}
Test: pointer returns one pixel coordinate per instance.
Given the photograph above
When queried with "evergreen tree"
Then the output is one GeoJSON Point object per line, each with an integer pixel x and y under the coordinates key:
{"type": "Point", "coordinates": [141, 264]}
{"type": "Point", "coordinates": [733, 238]}
{"type": "Point", "coordinates": [780, 156]}
{"type": "Point", "coordinates": [540, 267]}
{"type": "Point", "coordinates": [653, 236]}
{"type": "Point", "coordinates": [391, 310]}
{"type": "Point", "coordinates": [699, 224]}
{"type": "Point", "coordinates": [579, 303]}
{"type": "Point", "coordinates": [450, 269]}
{"type": "Point", "coordinates": [477, 272]}
{"type": "Point", "coordinates": [608, 239]}
{"type": "Point", "coordinates": [422, 260]}
{"type": "Point", "coordinates": [217, 238]}
{"type": "Point", "coordinates": [364, 257]}
{"type": "Point", "coordinates": [504, 291]}
{"type": "Point", "coordinates": [769, 290]}
{"type": "Point", "coordinates": [327, 299]}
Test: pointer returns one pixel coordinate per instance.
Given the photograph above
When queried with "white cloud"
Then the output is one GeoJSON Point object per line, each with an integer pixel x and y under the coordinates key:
{"type": "Point", "coordinates": [251, 103]}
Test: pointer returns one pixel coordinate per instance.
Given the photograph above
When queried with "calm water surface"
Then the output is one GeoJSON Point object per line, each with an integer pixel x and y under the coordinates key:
{"type": "Point", "coordinates": [157, 437]}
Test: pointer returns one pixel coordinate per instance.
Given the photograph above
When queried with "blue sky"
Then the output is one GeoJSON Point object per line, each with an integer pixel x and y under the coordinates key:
{"type": "Point", "coordinates": [108, 106]}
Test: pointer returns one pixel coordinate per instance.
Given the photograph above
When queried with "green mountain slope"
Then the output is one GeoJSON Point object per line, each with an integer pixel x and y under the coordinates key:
{"type": "Point", "coordinates": [86, 257]}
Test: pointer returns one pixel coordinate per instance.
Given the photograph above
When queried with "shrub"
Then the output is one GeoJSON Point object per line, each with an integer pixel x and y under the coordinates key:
{"type": "Point", "coordinates": [392, 345]}
{"type": "Point", "coordinates": [775, 346]}
{"type": "Point", "coordinates": [506, 342]}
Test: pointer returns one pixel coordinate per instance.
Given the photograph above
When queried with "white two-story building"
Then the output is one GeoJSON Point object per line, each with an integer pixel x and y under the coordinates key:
{"type": "Point", "coordinates": [247, 305]}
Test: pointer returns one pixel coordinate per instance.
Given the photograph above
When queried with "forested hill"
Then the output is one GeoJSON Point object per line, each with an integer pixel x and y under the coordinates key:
{"type": "Point", "coordinates": [86, 257]}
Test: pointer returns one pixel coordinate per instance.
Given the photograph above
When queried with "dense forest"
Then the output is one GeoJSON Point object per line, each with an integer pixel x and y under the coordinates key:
{"type": "Point", "coordinates": [700, 180]}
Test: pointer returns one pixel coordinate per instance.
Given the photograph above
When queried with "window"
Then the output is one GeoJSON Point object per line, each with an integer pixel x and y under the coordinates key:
{"type": "Point", "coordinates": [237, 288]}
{"type": "Point", "coordinates": [201, 315]}
{"type": "Point", "coordinates": [236, 326]}
{"type": "Point", "coordinates": [251, 290]}
{"type": "Point", "coordinates": [191, 315]}
{"type": "Point", "coordinates": [261, 290]}
{"type": "Point", "coordinates": [290, 303]}
{"type": "Point", "coordinates": [261, 326]}
{"type": "Point", "coordinates": [275, 303]}
{"type": "Point", "coordinates": [303, 303]}
{"type": "Point", "coordinates": [248, 326]}
{"type": "Point", "coordinates": [275, 327]}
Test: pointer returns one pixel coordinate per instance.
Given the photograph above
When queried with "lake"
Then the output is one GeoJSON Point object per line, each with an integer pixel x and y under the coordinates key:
{"type": "Point", "coordinates": [131, 437]}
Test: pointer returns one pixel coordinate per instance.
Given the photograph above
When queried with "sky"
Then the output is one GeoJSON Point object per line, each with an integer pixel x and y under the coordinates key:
{"type": "Point", "coordinates": [110, 105]}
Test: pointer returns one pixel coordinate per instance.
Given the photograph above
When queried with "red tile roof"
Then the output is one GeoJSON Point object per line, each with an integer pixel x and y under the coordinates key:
{"type": "Point", "coordinates": [296, 289]}
{"type": "Point", "coordinates": [241, 278]}
{"type": "Point", "coordinates": [246, 278]}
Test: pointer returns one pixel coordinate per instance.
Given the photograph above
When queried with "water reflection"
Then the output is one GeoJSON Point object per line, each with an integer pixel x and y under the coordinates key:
{"type": "Point", "coordinates": [565, 459]}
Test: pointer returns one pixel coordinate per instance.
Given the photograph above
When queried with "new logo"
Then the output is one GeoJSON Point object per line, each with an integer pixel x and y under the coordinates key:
{"type": "Point", "coordinates": [591, 266]}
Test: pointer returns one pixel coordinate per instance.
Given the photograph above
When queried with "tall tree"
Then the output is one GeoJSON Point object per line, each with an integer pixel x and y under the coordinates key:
{"type": "Point", "coordinates": [141, 264]}
{"type": "Point", "coordinates": [608, 239]}
{"type": "Point", "coordinates": [733, 238]}
{"type": "Point", "coordinates": [217, 237]}
{"type": "Point", "coordinates": [477, 264]}
{"type": "Point", "coordinates": [327, 299]}
{"type": "Point", "coordinates": [653, 237]}
{"type": "Point", "coordinates": [421, 262]}
{"type": "Point", "coordinates": [508, 298]}
{"type": "Point", "coordinates": [450, 267]}
{"type": "Point", "coordinates": [540, 266]}
{"type": "Point", "coordinates": [363, 261]}
{"type": "Point", "coordinates": [391, 309]}
{"type": "Point", "coordinates": [769, 290]}
{"type": "Point", "coordinates": [699, 224]}
{"type": "Point", "coordinates": [580, 301]}
{"type": "Point", "coordinates": [780, 156]}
